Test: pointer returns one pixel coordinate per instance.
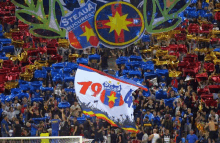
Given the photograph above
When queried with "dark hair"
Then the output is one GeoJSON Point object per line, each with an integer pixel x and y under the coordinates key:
{"type": "Point", "coordinates": [159, 140]}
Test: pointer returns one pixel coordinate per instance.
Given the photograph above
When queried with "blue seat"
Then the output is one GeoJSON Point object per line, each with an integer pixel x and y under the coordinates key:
{"type": "Point", "coordinates": [71, 65]}
{"type": "Point", "coordinates": [58, 65]}
{"type": "Point", "coordinates": [149, 75]}
{"type": "Point", "coordinates": [58, 77]}
{"type": "Point", "coordinates": [22, 95]}
{"type": "Point", "coordinates": [37, 99]}
{"type": "Point", "coordinates": [160, 94]}
{"type": "Point", "coordinates": [82, 61]}
{"type": "Point", "coordinates": [135, 58]}
{"type": "Point", "coordinates": [5, 41]}
{"type": "Point", "coordinates": [94, 57]}
{"type": "Point", "coordinates": [8, 49]}
{"type": "Point", "coordinates": [64, 105]}
{"type": "Point", "coordinates": [40, 74]}
{"type": "Point", "coordinates": [46, 88]}
{"type": "Point", "coordinates": [69, 90]}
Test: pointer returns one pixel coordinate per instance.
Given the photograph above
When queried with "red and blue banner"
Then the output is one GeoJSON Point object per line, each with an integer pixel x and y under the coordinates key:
{"type": "Point", "coordinates": [79, 25]}
{"type": "Point", "coordinates": [106, 97]}
{"type": "Point", "coordinates": [118, 24]}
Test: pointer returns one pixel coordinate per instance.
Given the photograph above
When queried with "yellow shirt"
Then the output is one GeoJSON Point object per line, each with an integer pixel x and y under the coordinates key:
{"type": "Point", "coordinates": [45, 140]}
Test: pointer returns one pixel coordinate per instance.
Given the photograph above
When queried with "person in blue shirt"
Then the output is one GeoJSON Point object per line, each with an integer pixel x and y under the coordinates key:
{"type": "Point", "coordinates": [149, 115]}
{"type": "Point", "coordinates": [191, 138]}
{"type": "Point", "coordinates": [4, 126]}
{"type": "Point", "coordinates": [33, 127]}
{"type": "Point", "coordinates": [55, 125]}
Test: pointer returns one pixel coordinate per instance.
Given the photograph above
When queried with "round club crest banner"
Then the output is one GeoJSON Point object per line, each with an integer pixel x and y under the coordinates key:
{"type": "Point", "coordinates": [118, 24]}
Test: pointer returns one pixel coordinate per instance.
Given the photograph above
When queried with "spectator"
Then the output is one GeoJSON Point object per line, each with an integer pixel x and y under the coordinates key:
{"type": "Point", "coordinates": [113, 136]}
{"type": "Point", "coordinates": [4, 126]}
{"type": "Point", "coordinates": [166, 138]}
{"type": "Point", "coordinates": [98, 131]}
{"type": "Point", "coordinates": [145, 137]}
{"type": "Point", "coordinates": [153, 137]}
{"type": "Point", "coordinates": [192, 138]}
{"type": "Point", "coordinates": [55, 125]}
{"type": "Point", "coordinates": [17, 129]}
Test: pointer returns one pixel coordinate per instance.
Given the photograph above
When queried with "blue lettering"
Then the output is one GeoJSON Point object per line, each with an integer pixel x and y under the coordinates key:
{"type": "Point", "coordinates": [128, 98]}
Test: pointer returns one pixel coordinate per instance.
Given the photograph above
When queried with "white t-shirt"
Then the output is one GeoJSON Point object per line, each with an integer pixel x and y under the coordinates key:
{"type": "Point", "coordinates": [15, 106]}
{"type": "Point", "coordinates": [144, 138]}
{"type": "Point", "coordinates": [11, 115]}
{"type": "Point", "coordinates": [73, 107]}
{"type": "Point", "coordinates": [156, 136]}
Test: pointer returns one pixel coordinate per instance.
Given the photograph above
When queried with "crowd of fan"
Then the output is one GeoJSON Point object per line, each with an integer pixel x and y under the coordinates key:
{"type": "Point", "coordinates": [179, 69]}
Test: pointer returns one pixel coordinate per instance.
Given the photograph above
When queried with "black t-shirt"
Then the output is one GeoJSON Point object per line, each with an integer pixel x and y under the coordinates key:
{"type": "Point", "coordinates": [120, 136]}
{"type": "Point", "coordinates": [87, 126]}
{"type": "Point", "coordinates": [166, 138]}
{"type": "Point", "coordinates": [140, 135]}
{"type": "Point", "coordinates": [113, 138]}
{"type": "Point", "coordinates": [17, 132]}
{"type": "Point", "coordinates": [76, 124]}
{"type": "Point", "coordinates": [92, 134]}
{"type": "Point", "coordinates": [98, 126]}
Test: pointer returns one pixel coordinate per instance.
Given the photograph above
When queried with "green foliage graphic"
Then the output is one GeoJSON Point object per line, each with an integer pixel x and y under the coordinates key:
{"type": "Point", "coordinates": [32, 12]}
{"type": "Point", "coordinates": [152, 27]}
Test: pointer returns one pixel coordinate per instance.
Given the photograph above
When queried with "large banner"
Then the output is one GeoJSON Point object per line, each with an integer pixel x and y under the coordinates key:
{"type": "Point", "coordinates": [116, 24]}
{"type": "Point", "coordinates": [106, 97]}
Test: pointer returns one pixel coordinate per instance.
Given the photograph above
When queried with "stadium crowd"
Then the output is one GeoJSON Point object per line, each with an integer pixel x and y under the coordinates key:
{"type": "Point", "coordinates": [181, 69]}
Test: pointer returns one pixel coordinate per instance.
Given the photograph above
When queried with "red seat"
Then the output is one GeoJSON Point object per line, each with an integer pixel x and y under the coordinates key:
{"type": "Point", "coordinates": [2, 75]}
{"type": "Point", "coordinates": [180, 37]}
{"type": "Point", "coordinates": [214, 88]}
{"type": "Point", "coordinates": [32, 59]}
{"type": "Point", "coordinates": [51, 51]}
{"type": "Point", "coordinates": [17, 36]}
{"type": "Point", "coordinates": [173, 47]}
{"type": "Point", "coordinates": [9, 19]}
{"type": "Point", "coordinates": [2, 87]}
{"type": "Point", "coordinates": [33, 52]}
{"type": "Point", "coordinates": [209, 67]}
{"type": "Point", "coordinates": [165, 48]}
{"type": "Point", "coordinates": [206, 28]}
{"type": "Point", "coordinates": [8, 64]}
{"type": "Point", "coordinates": [217, 16]}
{"type": "Point", "coordinates": [211, 102]}
{"type": "Point", "coordinates": [23, 27]}
{"type": "Point", "coordinates": [12, 76]}
{"type": "Point", "coordinates": [193, 28]}
{"type": "Point", "coordinates": [216, 78]}
{"type": "Point", "coordinates": [204, 90]}
{"type": "Point", "coordinates": [182, 48]}
{"type": "Point", "coordinates": [57, 58]}
{"type": "Point", "coordinates": [207, 96]}
{"type": "Point", "coordinates": [52, 44]}
{"type": "Point", "coordinates": [201, 77]}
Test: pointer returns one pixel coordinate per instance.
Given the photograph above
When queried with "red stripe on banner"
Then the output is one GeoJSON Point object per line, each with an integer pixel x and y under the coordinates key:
{"type": "Point", "coordinates": [102, 98]}
{"type": "Point", "coordinates": [118, 8]}
{"type": "Point", "coordinates": [93, 40]}
{"type": "Point", "coordinates": [101, 24]}
{"type": "Point", "coordinates": [107, 75]}
{"type": "Point", "coordinates": [73, 40]}
{"type": "Point", "coordinates": [121, 101]}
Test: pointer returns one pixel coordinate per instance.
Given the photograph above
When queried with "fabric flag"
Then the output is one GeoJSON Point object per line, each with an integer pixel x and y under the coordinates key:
{"type": "Point", "coordinates": [106, 97]}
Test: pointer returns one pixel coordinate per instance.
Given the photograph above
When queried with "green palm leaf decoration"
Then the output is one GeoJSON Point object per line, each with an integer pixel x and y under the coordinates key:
{"type": "Point", "coordinates": [162, 15]}
{"type": "Point", "coordinates": [32, 12]}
